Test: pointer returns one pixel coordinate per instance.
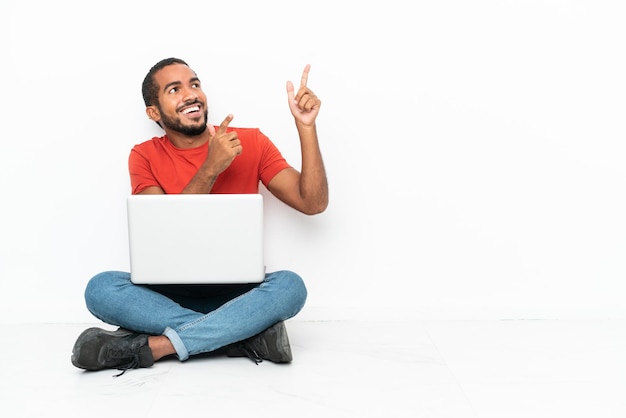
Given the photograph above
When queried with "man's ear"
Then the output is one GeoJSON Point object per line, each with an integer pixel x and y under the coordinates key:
{"type": "Point", "coordinates": [153, 113]}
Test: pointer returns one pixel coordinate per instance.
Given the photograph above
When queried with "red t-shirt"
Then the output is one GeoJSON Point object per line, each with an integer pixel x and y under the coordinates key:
{"type": "Point", "coordinates": [157, 162]}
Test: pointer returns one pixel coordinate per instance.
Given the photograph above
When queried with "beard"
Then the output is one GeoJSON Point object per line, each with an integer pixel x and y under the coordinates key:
{"type": "Point", "coordinates": [176, 125]}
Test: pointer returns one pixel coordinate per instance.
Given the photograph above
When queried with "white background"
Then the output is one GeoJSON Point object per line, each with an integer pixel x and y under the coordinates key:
{"type": "Point", "coordinates": [475, 149]}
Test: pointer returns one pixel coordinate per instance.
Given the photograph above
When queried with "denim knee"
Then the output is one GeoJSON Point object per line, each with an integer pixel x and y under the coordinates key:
{"type": "Point", "coordinates": [100, 288]}
{"type": "Point", "coordinates": [298, 289]}
{"type": "Point", "coordinates": [293, 289]}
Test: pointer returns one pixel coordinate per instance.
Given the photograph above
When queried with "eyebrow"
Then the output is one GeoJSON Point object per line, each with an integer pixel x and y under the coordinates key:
{"type": "Point", "coordinates": [176, 83]}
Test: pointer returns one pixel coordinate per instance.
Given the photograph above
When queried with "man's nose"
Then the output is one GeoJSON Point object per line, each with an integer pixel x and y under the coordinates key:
{"type": "Point", "coordinates": [190, 95]}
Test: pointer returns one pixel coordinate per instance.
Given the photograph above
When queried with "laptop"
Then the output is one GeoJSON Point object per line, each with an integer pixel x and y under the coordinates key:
{"type": "Point", "coordinates": [196, 238]}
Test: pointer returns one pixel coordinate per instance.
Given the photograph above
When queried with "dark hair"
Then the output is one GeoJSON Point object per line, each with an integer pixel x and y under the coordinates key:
{"type": "Point", "coordinates": [149, 87]}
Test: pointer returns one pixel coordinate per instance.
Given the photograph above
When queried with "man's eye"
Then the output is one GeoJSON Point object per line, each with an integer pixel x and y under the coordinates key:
{"type": "Point", "coordinates": [173, 90]}
{"type": "Point", "coordinates": [196, 85]}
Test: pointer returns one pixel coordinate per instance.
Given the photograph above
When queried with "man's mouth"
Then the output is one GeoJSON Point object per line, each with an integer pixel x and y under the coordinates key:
{"type": "Point", "coordinates": [191, 110]}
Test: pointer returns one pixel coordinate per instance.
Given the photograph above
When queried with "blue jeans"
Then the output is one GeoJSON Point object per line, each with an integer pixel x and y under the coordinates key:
{"type": "Point", "coordinates": [196, 318]}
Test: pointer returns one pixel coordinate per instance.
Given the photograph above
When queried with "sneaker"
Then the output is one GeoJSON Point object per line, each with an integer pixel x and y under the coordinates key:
{"type": "Point", "coordinates": [271, 344]}
{"type": "Point", "coordinates": [97, 349]}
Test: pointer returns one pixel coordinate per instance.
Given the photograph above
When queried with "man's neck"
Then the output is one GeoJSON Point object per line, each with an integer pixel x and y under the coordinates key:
{"type": "Point", "coordinates": [183, 141]}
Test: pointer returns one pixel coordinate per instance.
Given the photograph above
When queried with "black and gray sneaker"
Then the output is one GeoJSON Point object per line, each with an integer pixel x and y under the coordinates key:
{"type": "Point", "coordinates": [271, 344]}
{"type": "Point", "coordinates": [97, 349]}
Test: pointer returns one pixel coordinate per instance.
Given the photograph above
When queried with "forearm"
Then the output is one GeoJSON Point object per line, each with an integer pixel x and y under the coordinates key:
{"type": "Point", "coordinates": [201, 183]}
{"type": "Point", "coordinates": [313, 182]}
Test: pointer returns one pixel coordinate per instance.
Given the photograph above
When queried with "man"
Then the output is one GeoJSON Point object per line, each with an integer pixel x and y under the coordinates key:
{"type": "Point", "coordinates": [196, 157]}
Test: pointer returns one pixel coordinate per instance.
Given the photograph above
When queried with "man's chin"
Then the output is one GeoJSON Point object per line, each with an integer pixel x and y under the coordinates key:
{"type": "Point", "coordinates": [191, 130]}
{"type": "Point", "coordinates": [197, 130]}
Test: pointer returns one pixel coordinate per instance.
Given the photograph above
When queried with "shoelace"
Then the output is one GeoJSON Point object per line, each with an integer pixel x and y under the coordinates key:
{"type": "Point", "coordinates": [251, 353]}
{"type": "Point", "coordinates": [131, 363]}
{"type": "Point", "coordinates": [134, 364]}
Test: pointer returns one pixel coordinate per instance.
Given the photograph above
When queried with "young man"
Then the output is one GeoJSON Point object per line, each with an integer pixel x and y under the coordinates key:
{"type": "Point", "coordinates": [196, 157]}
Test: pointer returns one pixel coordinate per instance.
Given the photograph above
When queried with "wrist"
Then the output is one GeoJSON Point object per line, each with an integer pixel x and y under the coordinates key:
{"type": "Point", "coordinates": [305, 127]}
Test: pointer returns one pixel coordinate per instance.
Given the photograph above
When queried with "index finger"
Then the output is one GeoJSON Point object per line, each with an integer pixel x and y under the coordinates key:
{"type": "Point", "coordinates": [224, 124]}
{"type": "Point", "coordinates": [305, 75]}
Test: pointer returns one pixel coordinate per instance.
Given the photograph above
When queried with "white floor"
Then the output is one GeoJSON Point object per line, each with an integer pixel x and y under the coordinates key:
{"type": "Point", "coordinates": [485, 369]}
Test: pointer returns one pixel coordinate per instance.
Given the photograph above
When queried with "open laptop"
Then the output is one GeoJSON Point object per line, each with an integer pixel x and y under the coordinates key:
{"type": "Point", "coordinates": [196, 238]}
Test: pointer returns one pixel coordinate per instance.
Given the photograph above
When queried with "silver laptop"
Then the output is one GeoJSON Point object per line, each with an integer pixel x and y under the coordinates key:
{"type": "Point", "coordinates": [196, 238]}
